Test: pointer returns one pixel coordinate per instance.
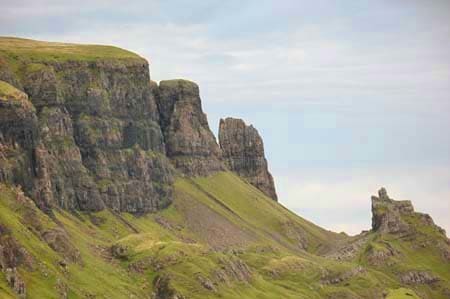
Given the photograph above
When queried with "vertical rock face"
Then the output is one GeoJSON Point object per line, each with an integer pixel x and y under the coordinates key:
{"type": "Point", "coordinates": [87, 136]}
{"type": "Point", "coordinates": [18, 136]}
{"type": "Point", "coordinates": [84, 128]}
{"type": "Point", "coordinates": [243, 151]}
{"type": "Point", "coordinates": [190, 144]}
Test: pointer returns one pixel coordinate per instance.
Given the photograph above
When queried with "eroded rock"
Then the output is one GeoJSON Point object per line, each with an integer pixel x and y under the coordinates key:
{"type": "Point", "coordinates": [243, 151]}
{"type": "Point", "coordinates": [399, 217]}
{"type": "Point", "coordinates": [86, 137]}
{"type": "Point", "coordinates": [387, 213]}
{"type": "Point", "coordinates": [190, 144]}
{"type": "Point", "coordinates": [418, 277]}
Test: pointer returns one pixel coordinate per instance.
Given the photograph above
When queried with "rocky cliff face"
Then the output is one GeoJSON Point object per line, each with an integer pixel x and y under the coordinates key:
{"type": "Point", "coordinates": [243, 151]}
{"type": "Point", "coordinates": [88, 134]}
{"type": "Point", "coordinates": [190, 143]}
{"type": "Point", "coordinates": [18, 136]}
{"type": "Point", "coordinates": [83, 128]}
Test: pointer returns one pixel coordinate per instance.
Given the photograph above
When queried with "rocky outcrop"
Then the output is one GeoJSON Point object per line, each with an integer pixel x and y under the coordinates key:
{"type": "Point", "coordinates": [232, 269]}
{"type": "Point", "coordinates": [339, 277]}
{"type": "Point", "coordinates": [243, 151]}
{"type": "Point", "coordinates": [387, 213]}
{"type": "Point", "coordinates": [12, 255]}
{"type": "Point", "coordinates": [418, 277]}
{"type": "Point", "coordinates": [163, 288]}
{"type": "Point", "coordinates": [83, 134]}
{"type": "Point", "coordinates": [190, 144]}
{"type": "Point", "coordinates": [399, 217]}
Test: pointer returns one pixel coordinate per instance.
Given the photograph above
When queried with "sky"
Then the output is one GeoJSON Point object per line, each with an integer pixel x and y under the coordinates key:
{"type": "Point", "coordinates": [348, 96]}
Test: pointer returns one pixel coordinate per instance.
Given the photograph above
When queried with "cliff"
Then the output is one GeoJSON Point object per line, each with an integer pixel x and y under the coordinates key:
{"type": "Point", "coordinates": [92, 138]}
{"type": "Point", "coordinates": [94, 132]}
{"type": "Point", "coordinates": [190, 143]}
{"type": "Point", "coordinates": [243, 151]}
{"type": "Point", "coordinates": [82, 128]}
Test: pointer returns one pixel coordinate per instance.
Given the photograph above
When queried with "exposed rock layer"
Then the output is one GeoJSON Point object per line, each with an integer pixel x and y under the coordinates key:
{"type": "Point", "coordinates": [91, 132]}
{"type": "Point", "coordinates": [243, 151]}
{"type": "Point", "coordinates": [190, 143]}
{"type": "Point", "coordinates": [87, 137]}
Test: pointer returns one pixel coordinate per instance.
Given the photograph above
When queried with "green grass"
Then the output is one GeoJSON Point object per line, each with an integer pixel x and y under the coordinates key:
{"type": "Point", "coordinates": [9, 92]}
{"type": "Point", "coordinates": [261, 213]}
{"type": "Point", "coordinates": [402, 293]}
{"type": "Point", "coordinates": [169, 243]}
{"type": "Point", "coordinates": [40, 51]}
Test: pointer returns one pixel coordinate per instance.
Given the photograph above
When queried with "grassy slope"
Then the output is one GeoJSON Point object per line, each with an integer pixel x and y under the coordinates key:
{"type": "Point", "coordinates": [416, 252]}
{"type": "Point", "coordinates": [227, 211]}
{"type": "Point", "coordinates": [402, 293]}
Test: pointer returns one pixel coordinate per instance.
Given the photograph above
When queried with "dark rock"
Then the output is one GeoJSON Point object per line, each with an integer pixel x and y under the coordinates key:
{"type": "Point", "coordinates": [59, 165]}
{"type": "Point", "coordinates": [243, 151]}
{"type": "Point", "coordinates": [418, 277]}
{"type": "Point", "coordinates": [119, 251]}
{"type": "Point", "coordinates": [41, 85]}
{"type": "Point", "coordinates": [163, 288]}
{"type": "Point", "coordinates": [190, 143]}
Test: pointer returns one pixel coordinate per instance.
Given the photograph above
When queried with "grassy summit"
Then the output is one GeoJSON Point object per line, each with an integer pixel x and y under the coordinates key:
{"type": "Point", "coordinates": [50, 51]}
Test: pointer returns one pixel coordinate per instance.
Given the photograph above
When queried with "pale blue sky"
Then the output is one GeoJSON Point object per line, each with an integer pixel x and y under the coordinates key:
{"type": "Point", "coordinates": [348, 95]}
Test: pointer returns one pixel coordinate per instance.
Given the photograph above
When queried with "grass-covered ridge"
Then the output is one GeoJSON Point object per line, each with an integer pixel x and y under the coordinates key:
{"type": "Point", "coordinates": [41, 51]}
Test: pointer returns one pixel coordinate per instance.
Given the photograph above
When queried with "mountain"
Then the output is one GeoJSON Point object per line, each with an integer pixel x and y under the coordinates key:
{"type": "Point", "coordinates": [114, 186]}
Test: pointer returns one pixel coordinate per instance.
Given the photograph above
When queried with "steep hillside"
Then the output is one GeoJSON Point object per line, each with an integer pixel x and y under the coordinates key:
{"type": "Point", "coordinates": [207, 244]}
{"type": "Point", "coordinates": [113, 186]}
